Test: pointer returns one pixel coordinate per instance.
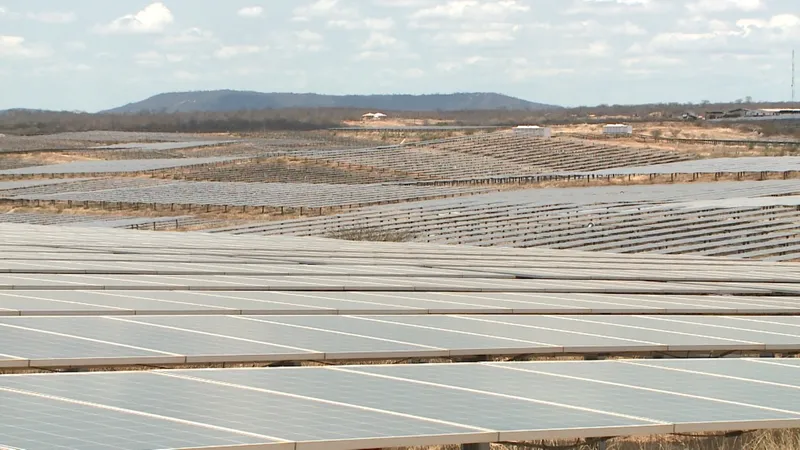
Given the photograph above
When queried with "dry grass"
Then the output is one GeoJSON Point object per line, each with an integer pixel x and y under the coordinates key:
{"type": "Point", "coordinates": [16, 160]}
{"type": "Point", "coordinates": [372, 235]}
{"type": "Point", "coordinates": [404, 136]}
{"type": "Point", "coordinates": [686, 131]}
{"type": "Point", "coordinates": [757, 440]}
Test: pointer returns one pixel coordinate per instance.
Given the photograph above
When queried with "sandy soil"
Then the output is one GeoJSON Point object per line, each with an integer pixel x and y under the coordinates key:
{"type": "Point", "coordinates": [679, 130]}
{"type": "Point", "coordinates": [396, 122]}
{"type": "Point", "coordinates": [684, 131]}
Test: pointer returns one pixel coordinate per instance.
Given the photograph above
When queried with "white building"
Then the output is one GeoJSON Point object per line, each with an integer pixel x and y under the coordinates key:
{"type": "Point", "coordinates": [373, 116]}
{"type": "Point", "coordinates": [618, 130]}
{"type": "Point", "coordinates": [533, 130]}
{"type": "Point", "coordinates": [769, 112]}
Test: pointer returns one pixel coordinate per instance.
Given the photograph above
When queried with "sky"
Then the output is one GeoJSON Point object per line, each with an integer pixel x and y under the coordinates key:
{"type": "Point", "coordinates": [91, 55]}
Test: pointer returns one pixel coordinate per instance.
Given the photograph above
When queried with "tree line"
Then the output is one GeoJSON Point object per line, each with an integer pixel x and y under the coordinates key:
{"type": "Point", "coordinates": [30, 122]}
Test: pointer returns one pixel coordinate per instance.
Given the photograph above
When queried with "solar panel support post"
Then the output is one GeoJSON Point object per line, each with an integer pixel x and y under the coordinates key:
{"type": "Point", "coordinates": [481, 446]}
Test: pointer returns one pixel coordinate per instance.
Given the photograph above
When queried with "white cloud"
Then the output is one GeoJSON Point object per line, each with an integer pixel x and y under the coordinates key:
{"type": "Point", "coordinates": [522, 69]}
{"type": "Point", "coordinates": [363, 24]}
{"type": "Point", "coordinates": [413, 72]}
{"type": "Point", "coordinates": [475, 37]}
{"type": "Point", "coordinates": [401, 3]}
{"type": "Point", "coordinates": [251, 11]}
{"type": "Point", "coordinates": [148, 58]}
{"type": "Point", "coordinates": [594, 49]}
{"type": "Point", "coordinates": [154, 18]}
{"type": "Point", "coordinates": [474, 10]}
{"type": "Point", "coordinates": [778, 28]}
{"type": "Point", "coordinates": [779, 22]}
{"type": "Point", "coordinates": [323, 8]}
{"type": "Point", "coordinates": [649, 61]}
{"type": "Point", "coordinates": [53, 17]}
{"type": "Point", "coordinates": [232, 51]}
{"type": "Point", "coordinates": [379, 40]}
{"type": "Point", "coordinates": [76, 46]}
{"type": "Point", "coordinates": [184, 75]}
{"type": "Point", "coordinates": [617, 7]}
{"type": "Point", "coordinates": [61, 69]}
{"type": "Point", "coordinates": [456, 65]}
{"type": "Point", "coordinates": [629, 29]}
{"type": "Point", "coordinates": [309, 41]}
{"type": "Point", "coordinates": [381, 46]}
{"type": "Point", "coordinates": [622, 2]}
{"type": "Point", "coordinates": [714, 6]}
{"type": "Point", "coordinates": [17, 47]}
{"type": "Point", "coordinates": [189, 36]}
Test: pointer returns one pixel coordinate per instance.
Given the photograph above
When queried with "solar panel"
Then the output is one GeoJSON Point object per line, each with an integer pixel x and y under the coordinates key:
{"type": "Point", "coordinates": [352, 407]}
{"type": "Point", "coordinates": [715, 165]}
{"type": "Point", "coordinates": [150, 302]}
{"type": "Point", "coordinates": [719, 219]}
{"type": "Point", "coordinates": [113, 341]}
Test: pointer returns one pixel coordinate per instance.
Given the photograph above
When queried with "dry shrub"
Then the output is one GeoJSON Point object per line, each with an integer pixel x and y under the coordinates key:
{"type": "Point", "coordinates": [758, 440]}
{"type": "Point", "coordinates": [372, 234]}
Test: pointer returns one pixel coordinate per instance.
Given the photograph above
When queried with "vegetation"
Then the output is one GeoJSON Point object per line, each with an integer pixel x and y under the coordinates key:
{"type": "Point", "coordinates": [34, 122]}
{"type": "Point", "coordinates": [372, 235]}
{"type": "Point", "coordinates": [757, 440]}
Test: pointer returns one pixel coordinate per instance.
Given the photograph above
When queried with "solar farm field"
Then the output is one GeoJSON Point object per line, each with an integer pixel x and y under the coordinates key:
{"type": "Point", "coordinates": [533, 314]}
{"type": "Point", "coordinates": [480, 189]}
{"type": "Point", "coordinates": [510, 336]}
{"type": "Point", "coordinates": [732, 219]}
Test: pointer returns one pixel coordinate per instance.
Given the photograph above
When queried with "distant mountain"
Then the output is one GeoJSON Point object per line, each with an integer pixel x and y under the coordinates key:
{"type": "Point", "coordinates": [228, 100]}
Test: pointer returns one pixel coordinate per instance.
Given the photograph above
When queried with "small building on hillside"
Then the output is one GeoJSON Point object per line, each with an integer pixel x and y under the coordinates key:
{"type": "Point", "coordinates": [616, 129]}
{"type": "Point", "coordinates": [533, 130]}
{"type": "Point", "coordinates": [770, 112]}
{"type": "Point", "coordinates": [373, 116]}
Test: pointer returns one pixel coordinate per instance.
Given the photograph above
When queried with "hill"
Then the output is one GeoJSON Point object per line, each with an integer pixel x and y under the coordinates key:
{"type": "Point", "coordinates": [228, 100]}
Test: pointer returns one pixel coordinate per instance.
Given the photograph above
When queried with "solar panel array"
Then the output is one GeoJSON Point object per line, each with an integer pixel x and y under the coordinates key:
{"type": "Point", "coordinates": [732, 219]}
{"type": "Point", "coordinates": [356, 407]}
{"type": "Point", "coordinates": [93, 220]}
{"type": "Point", "coordinates": [558, 154]}
{"type": "Point", "coordinates": [493, 155]}
{"type": "Point", "coordinates": [78, 297]}
{"type": "Point", "coordinates": [715, 165]}
{"type": "Point", "coordinates": [293, 195]}
{"type": "Point", "coordinates": [21, 184]}
{"type": "Point", "coordinates": [83, 295]}
{"type": "Point", "coordinates": [160, 146]}
{"type": "Point", "coordinates": [113, 166]}
{"type": "Point", "coordinates": [285, 170]}
{"type": "Point", "coordinates": [284, 298]}
{"type": "Point", "coordinates": [206, 339]}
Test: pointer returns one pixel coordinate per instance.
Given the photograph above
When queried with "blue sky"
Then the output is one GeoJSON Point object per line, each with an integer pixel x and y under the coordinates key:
{"type": "Point", "coordinates": [95, 54]}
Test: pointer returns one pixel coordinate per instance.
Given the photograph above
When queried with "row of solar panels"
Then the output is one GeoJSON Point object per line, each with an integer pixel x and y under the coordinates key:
{"type": "Point", "coordinates": [129, 341]}
{"type": "Point", "coordinates": [376, 406]}
{"type": "Point", "coordinates": [354, 408]}
{"type": "Point", "coordinates": [277, 303]}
